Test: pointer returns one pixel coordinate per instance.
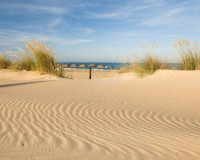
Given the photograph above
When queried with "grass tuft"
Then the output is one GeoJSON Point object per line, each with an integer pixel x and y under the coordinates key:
{"type": "Point", "coordinates": [149, 63]}
{"type": "Point", "coordinates": [124, 66]}
{"type": "Point", "coordinates": [5, 63]}
{"type": "Point", "coordinates": [26, 62]}
{"type": "Point", "coordinates": [44, 58]}
{"type": "Point", "coordinates": [190, 54]}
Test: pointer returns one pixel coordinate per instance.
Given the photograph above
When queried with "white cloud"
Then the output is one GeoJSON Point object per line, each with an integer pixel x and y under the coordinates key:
{"type": "Point", "coordinates": [86, 30]}
{"type": "Point", "coordinates": [76, 41]}
{"type": "Point", "coordinates": [14, 7]}
{"type": "Point", "coordinates": [55, 22]}
{"type": "Point", "coordinates": [14, 38]}
{"type": "Point", "coordinates": [168, 17]}
{"type": "Point", "coordinates": [126, 34]}
{"type": "Point", "coordinates": [127, 10]}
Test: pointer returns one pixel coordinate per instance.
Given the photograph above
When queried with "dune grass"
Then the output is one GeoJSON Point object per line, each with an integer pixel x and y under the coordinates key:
{"type": "Point", "coordinates": [124, 66]}
{"type": "Point", "coordinates": [37, 57]}
{"type": "Point", "coordinates": [26, 62]}
{"type": "Point", "coordinates": [40, 57]}
{"type": "Point", "coordinates": [147, 66]}
{"type": "Point", "coordinates": [190, 54]}
{"type": "Point", "coordinates": [5, 62]}
{"type": "Point", "coordinates": [44, 56]}
{"type": "Point", "coordinates": [149, 63]}
{"type": "Point", "coordinates": [45, 61]}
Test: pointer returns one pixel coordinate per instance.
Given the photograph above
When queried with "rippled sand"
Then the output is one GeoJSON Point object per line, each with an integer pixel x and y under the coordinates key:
{"type": "Point", "coordinates": [117, 118]}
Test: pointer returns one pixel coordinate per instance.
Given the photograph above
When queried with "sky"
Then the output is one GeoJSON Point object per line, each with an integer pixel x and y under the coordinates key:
{"type": "Point", "coordinates": [98, 30]}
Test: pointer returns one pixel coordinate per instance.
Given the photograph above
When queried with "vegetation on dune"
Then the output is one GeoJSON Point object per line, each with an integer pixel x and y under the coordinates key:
{"type": "Point", "coordinates": [40, 57]}
{"type": "Point", "coordinates": [5, 63]}
{"type": "Point", "coordinates": [190, 54]}
{"type": "Point", "coordinates": [146, 66]}
{"type": "Point", "coordinates": [149, 63]}
{"type": "Point", "coordinates": [124, 66]}
{"type": "Point", "coordinates": [44, 57]}
{"type": "Point", "coordinates": [25, 62]}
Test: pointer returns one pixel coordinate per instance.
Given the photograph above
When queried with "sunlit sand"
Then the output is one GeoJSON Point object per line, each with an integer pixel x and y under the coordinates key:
{"type": "Point", "coordinates": [120, 116]}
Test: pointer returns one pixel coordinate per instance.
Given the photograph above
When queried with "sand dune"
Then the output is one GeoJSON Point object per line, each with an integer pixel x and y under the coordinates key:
{"type": "Point", "coordinates": [9, 76]}
{"type": "Point", "coordinates": [121, 117]}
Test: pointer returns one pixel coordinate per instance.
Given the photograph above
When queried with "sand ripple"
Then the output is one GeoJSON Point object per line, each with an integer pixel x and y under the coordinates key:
{"type": "Point", "coordinates": [67, 120]}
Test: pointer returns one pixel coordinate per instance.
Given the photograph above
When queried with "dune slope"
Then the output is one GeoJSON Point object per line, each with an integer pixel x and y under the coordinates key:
{"type": "Point", "coordinates": [122, 117]}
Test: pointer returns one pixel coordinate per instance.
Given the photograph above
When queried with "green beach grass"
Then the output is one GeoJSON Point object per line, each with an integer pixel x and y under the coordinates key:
{"type": "Point", "coordinates": [40, 57]}
{"type": "Point", "coordinates": [189, 52]}
{"type": "Point", "coordinates": [5, 62]}
{"type": "Point", "coordinates": [44, 57]}
{"type": "Point", "coordinates": [147, 64]}
{"type": "Point", "coordinates": [25, 62]}
{"type": "Point", "coordinates": [37, 57]}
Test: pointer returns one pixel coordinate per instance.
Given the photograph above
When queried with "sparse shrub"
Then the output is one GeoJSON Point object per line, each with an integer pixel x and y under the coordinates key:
{"type": "Point", "coordinates": [4, 62]}
{"type": "Point", "coordinates": [190, 54]}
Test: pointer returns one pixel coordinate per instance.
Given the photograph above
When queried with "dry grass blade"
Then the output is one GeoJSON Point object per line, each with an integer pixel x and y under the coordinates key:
{"type": "Point", "coordinates": [44, 56]}
{"type": "Point", "coordinates": [4, 62]}
{"type": "Point", "coordinates": [124, 66]}
{"type": "Point", "coordinates": [149, 63]}
{"type": "Point", "coordinates": [190, 54]}
{"type": "Point", "coordinates": [26, 62]}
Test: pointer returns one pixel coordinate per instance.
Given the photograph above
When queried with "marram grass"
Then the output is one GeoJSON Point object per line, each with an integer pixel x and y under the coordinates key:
{"type": "Point", "coordinates": [5, 63]}
{"type": "Point", "coordinates": [44, 58]}
{"type": "Point", "coordinates": [40, 57]}
{"type": "Point", "coordinates": [189, 52]}
{"type": "Point", "coordinates": [37, 57]}
{"type": "Point", "coordinates": [26, 62]}
{"type": "Point", "coordinates": [149, 63]}
{"type": "Point", "coordinates": [146, 66]}
{"type": "Point", "coordinates": [124, 66]}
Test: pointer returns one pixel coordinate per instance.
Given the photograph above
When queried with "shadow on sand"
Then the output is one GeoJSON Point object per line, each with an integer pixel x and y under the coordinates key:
{"type": "Point", "coordinates": [18, 84]}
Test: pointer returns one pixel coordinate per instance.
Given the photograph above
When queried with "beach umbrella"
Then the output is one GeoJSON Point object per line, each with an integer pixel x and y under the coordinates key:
{"type": "Point", "coordinates": [74, 65]}
{"type": "Point", "coordinates": [82, 66]}
{"type": "Point", "coordinates": [66, 65]}
{"type": "Point", "coordinates": [92, 65]}
{"type": "Point", "coordinates": [101, 66]}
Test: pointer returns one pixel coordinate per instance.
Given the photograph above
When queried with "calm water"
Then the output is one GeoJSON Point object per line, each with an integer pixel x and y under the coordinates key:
{"type": "Point", "coordinates": [112, 65]}
{"type": "Point", "coordinates": [108, 65]}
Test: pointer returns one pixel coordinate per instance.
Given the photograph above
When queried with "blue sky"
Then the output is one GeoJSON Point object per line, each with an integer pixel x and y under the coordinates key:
{"type": "Point", "coordinates": [98, 30]}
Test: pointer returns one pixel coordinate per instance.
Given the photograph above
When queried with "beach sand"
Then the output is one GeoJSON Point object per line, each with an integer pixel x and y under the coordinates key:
{"type": "Point", "coordinates": [122, 117]}
{"type": "Point", "coordinates": [84, 73]}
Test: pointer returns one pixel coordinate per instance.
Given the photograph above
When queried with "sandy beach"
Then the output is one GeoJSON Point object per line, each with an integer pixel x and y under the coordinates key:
{"type": "Point", "coordinates": [111, 117]}
{"type": "Point", "coordinates": [84, 73]}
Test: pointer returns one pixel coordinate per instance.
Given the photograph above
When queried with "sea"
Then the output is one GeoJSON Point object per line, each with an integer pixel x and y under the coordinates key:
{"type": "Point", "coordinates": [108, 65]}
{"type": "Point", "coordinates": [112, 65]}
